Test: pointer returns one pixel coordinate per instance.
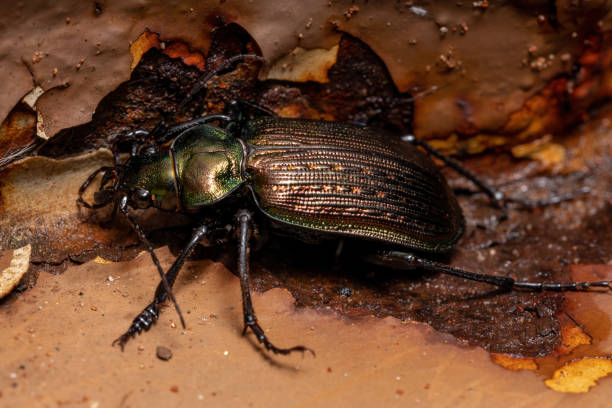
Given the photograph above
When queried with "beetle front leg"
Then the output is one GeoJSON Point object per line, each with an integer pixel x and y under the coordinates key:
{"type": "Point", "coordinates": [150, 314]}
{"type": "Point", "coordinates": [250, 320]}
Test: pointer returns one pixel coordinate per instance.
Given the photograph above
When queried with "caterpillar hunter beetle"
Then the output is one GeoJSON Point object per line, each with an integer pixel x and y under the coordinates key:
{"type": "Point", "coordinates": [311, 178]}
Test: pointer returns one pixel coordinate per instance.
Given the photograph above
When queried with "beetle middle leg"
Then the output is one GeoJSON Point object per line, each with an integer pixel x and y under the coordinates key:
{"type": "Point", "coordinates": [410, 261]}
{"type": "Point", "coordinates": [497, 197]}
{"type": "Point", "coordinates": [150, 314]}
{"type": "Point", "coordinates": [250, 320]}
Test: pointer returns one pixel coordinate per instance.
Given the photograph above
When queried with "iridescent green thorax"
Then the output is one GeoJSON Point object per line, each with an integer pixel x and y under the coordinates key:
{"type": "Point", "coordinates": [207, 165]}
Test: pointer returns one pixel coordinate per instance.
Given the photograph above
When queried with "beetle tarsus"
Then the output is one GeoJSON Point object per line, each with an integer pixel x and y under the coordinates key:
{"type": "Point", "coordinates": [250, 320]}
{"type": "Point", "coordinates": [262, 339]}
{"type": "Point", "coordinates": [556, 286]}
{"type": "Point", "coordinates": [143, 322]}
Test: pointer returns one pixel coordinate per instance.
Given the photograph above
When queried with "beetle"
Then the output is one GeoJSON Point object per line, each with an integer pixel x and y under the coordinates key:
{"type": "Point", "coordinates": [311, 179]}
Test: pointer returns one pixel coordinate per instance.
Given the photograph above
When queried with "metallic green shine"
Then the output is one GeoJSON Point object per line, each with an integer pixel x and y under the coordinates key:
{"type": "Point", "coordinates": [207, 165]}
{"type": "Point", "coordinates": [155, 174]}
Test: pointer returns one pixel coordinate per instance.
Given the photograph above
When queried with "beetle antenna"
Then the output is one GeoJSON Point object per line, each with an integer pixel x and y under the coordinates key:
{"type": "Point", "coordinates": [124, 210]}
{"type": "Point", "coordinates": [207, 77]}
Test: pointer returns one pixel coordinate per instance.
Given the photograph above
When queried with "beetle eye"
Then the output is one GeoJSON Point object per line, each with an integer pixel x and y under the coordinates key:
{"type": "Point", "coordinates": [149, 150]}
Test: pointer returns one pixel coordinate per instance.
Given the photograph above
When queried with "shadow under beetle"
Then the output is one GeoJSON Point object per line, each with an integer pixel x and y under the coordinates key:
{"type": "Point", "coordinates": [310, 178]}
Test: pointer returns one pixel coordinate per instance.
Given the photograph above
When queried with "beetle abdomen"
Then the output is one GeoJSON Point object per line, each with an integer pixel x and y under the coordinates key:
{"type": "Point", "coordinates": [351, 180]}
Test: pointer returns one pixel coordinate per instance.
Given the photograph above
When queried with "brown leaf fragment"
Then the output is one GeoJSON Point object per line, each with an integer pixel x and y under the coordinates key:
{"type": "Point", "coordinates": [19, 264]}
{"type": "Point", "coordinates": [142, 44]}
{"type": "Point", "coordinates": [303, 65]}
{"type": "Point", "coordinates": [39, 207]}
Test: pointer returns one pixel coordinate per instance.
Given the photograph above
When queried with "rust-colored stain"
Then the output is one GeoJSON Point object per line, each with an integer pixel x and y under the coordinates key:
{"type": "Point", "coordinates": [173, 49]}
{"type": "Point", "coordinates": [180, 50]}
{"type": "Point", "coordinates": [579, 376]}
{"type": "Point", "coordinates": [596, 76]}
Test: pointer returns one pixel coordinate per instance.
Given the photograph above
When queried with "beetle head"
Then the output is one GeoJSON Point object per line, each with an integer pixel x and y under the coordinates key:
{"type": "Point", "coordinates": [107, 190]}
{"type": "Point", "coordinates": [146, 180]}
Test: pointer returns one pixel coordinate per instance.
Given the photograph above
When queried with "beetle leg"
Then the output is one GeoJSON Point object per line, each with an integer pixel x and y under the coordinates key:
{"type": "Point", "coordinates": [503, 282]}
{"type": "Point", "coordinates": [497, 197]}
{"type": "Point", "coordinates": [150, 314]}
{"type": "Point", "coordinates": [250, 320]}
{"type": "Point", "coordinates": [123, 208]}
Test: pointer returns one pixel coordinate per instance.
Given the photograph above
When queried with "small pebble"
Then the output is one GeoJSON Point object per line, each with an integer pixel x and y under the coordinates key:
{"type": "Point", "coordinates": [163, 353]}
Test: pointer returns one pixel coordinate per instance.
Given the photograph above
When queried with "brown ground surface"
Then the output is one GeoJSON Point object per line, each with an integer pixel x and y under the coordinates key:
{"type": "Point", "coordinates": [55, 350]}
{"type": "Point", "coordinates": [55, 346]}
{"type": "Point", "coordinates": [362, 321]}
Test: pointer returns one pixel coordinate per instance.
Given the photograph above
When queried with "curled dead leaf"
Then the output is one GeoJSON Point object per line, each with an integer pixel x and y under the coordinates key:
{"type": "Point", "coordinates": [10, 276]}
{"type": "Point", "coordinates": [303, 65]}
{"type": "Point", "coordinates": [142, 44]}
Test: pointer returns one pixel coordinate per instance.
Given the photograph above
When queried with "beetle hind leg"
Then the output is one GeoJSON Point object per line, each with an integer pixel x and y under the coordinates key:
{"type": "Point", "coordinates": [503, 282]}
{"type": "Point", "coordinates": [250, 320]}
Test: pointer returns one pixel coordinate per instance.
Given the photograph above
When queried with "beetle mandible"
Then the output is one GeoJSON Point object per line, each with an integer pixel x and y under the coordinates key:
{"type": "Point", "coordinates": [315, 179]}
